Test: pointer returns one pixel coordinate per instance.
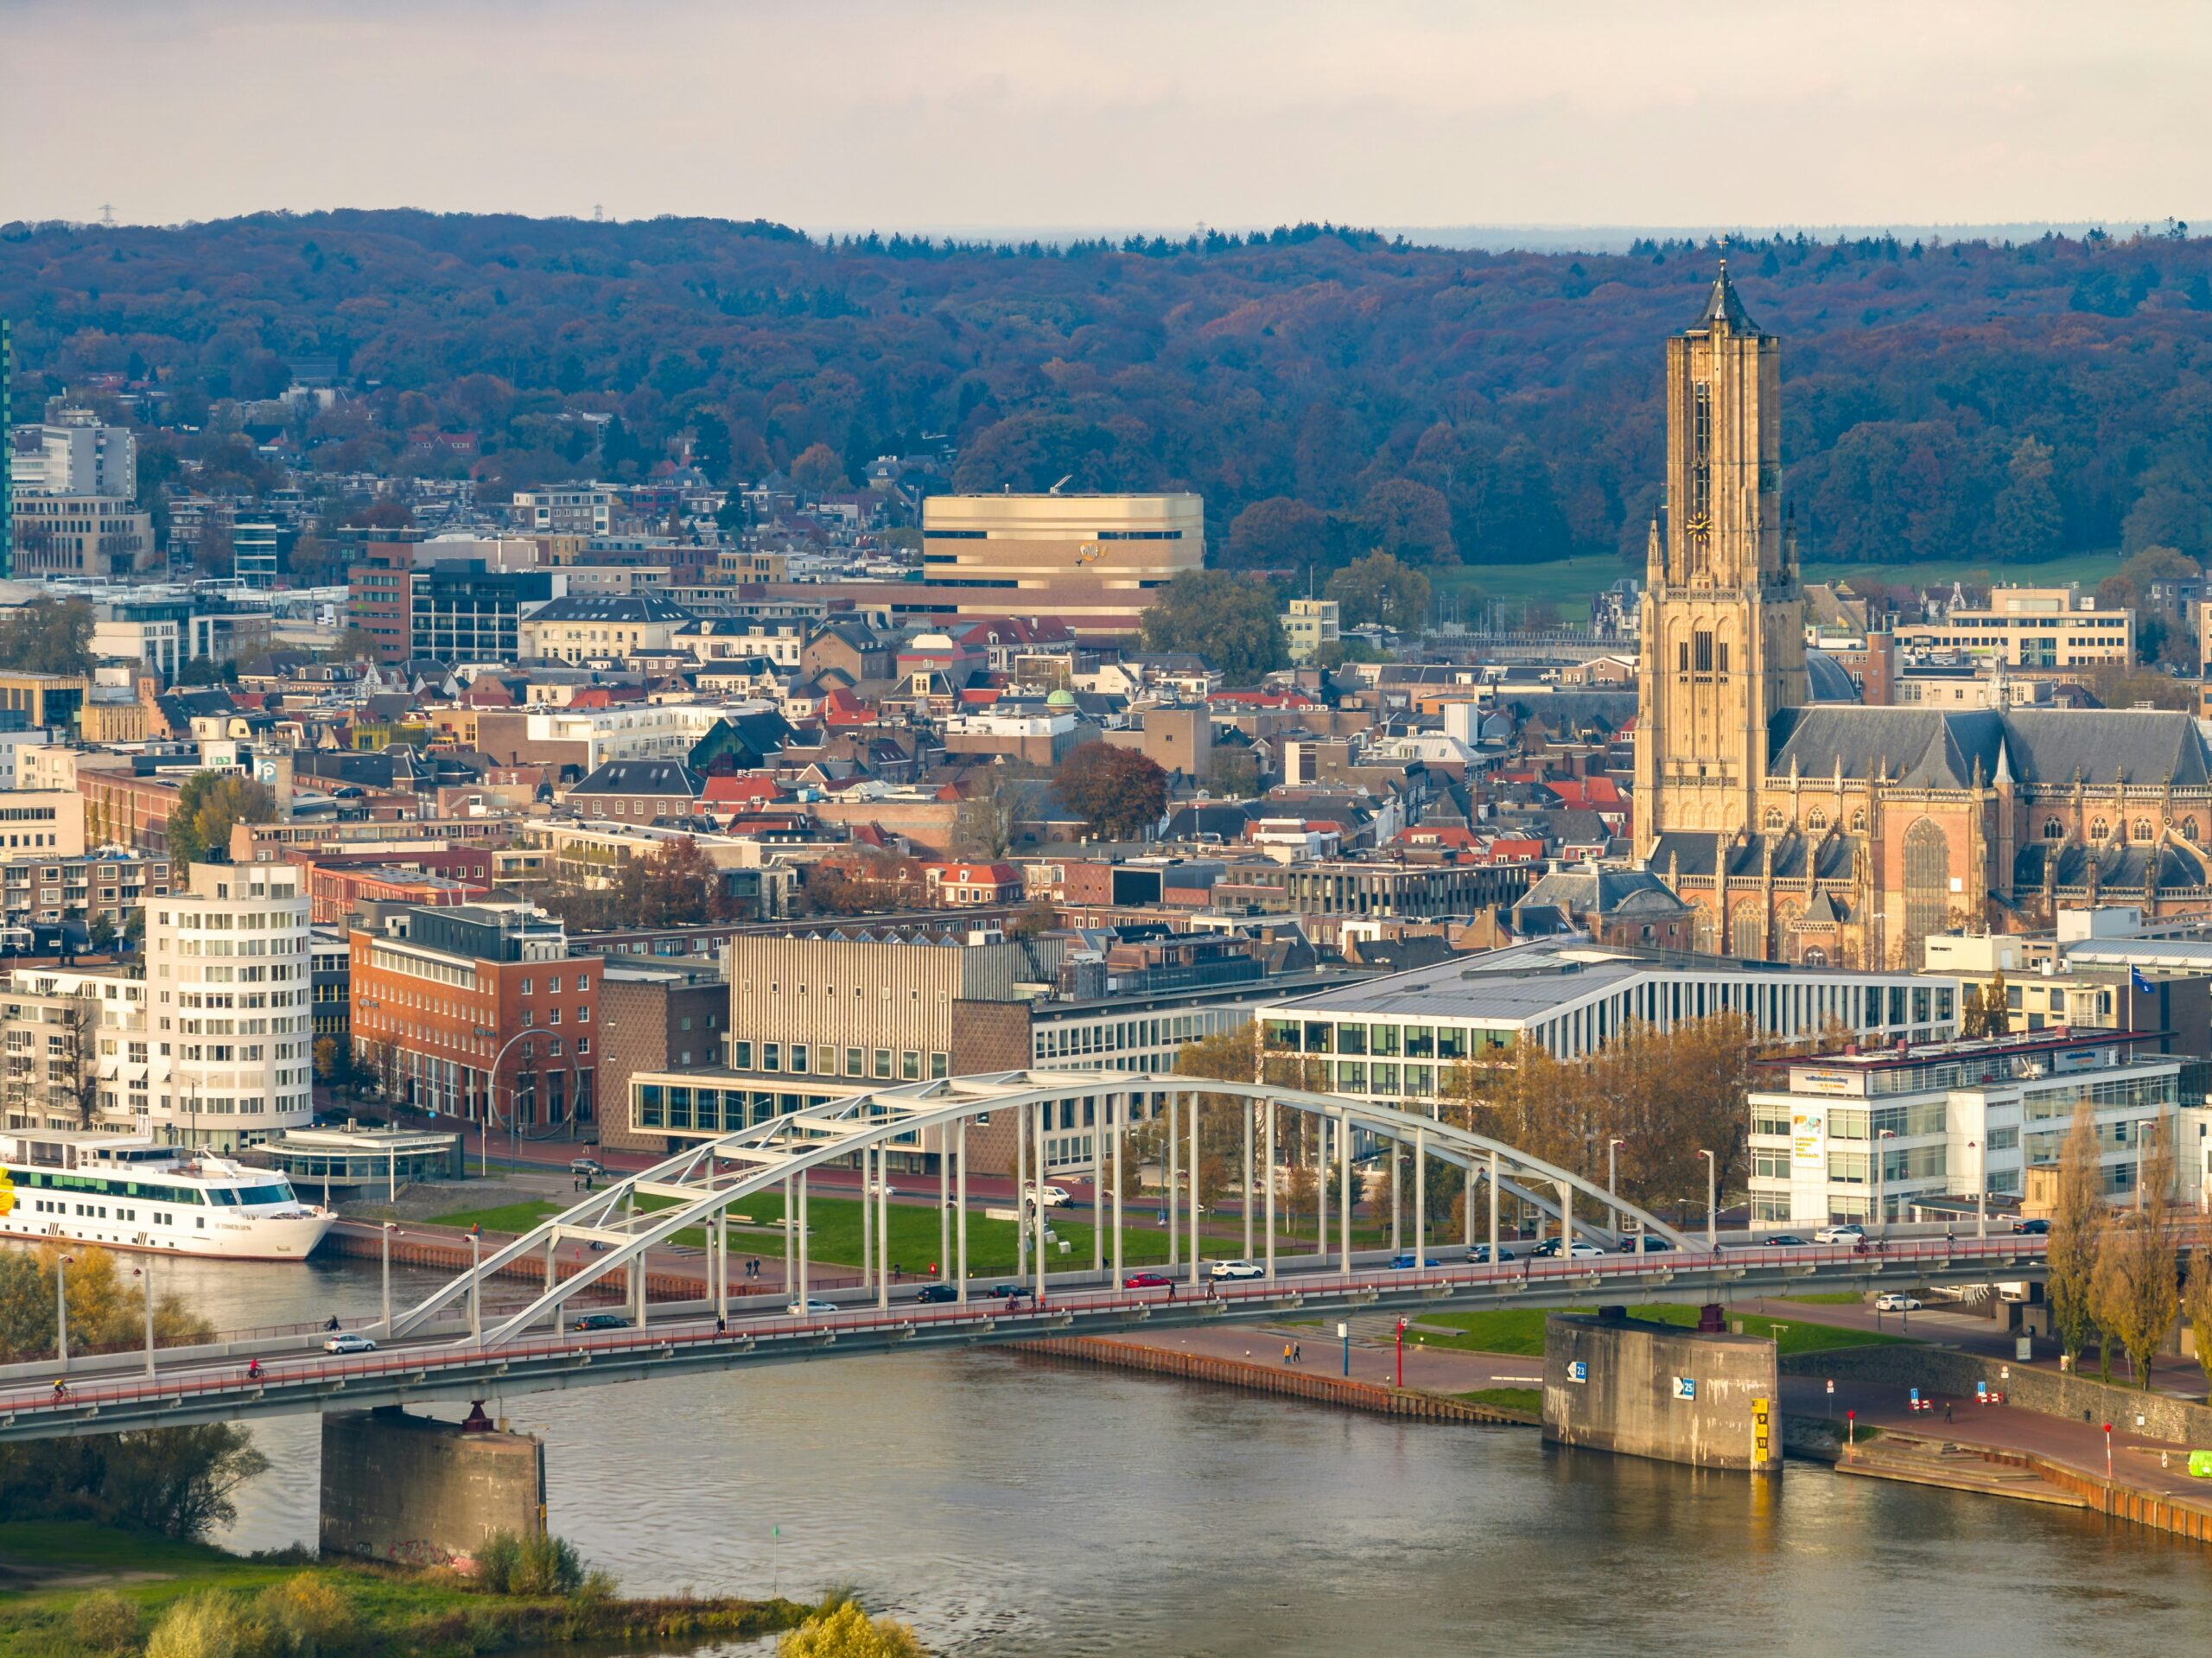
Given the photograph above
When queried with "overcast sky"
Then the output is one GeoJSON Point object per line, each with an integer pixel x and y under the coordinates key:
{"type": "Point", "coordinates": [946, 114]}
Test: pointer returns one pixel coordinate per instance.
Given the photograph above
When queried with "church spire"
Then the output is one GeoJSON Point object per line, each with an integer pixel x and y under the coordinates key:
{"type": "Point", "coordinates": [1724, 305]}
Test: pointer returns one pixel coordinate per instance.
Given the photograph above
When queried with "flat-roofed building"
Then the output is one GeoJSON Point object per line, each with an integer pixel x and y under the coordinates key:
{"type": "Point", "coordinates": [2031, 627]}
{"type": "Point", "coordinates": [1089, 560]}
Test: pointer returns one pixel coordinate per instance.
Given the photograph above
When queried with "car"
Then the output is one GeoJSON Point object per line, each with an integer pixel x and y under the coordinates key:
{"type": "Point", "coordinates": [809, 1308]}
{"type": "Point", "coordinates": [1147, 1282]}
{"type": "Point", "coordinates": [1896, 1302]}
{"type": "Point", "coordinates": [1007, 1291]}
{"type": "Point", "coordinates": [877, 1189]}
{"type": "Point", "coordinates": [600, 1321]}
{"type": "Point", "coordinates": [1643, 1243]}
{"type": "Point", "coordinates": [1052, 1198]}
{"type": "Point", "coordinates": [938, 1293]}
{"type": "Point", "coordinates": [1849, 1232]}
{"type": "Point", "coordinates": [349, 1341]}
{"type": "Point", "coordinates": [1478, 1253]}
{"type": "Point", "coordinates": [1549, 1249]}
{"type": "Point", "coordinates": [1780, 1240]}
{"type": "Point", "coordinates": [2038, 1228]}
{"type": "Point", "coordinates": [585, 1165]}
{"type": "Point", "coordinates": [1237, 1269]}
{"type": "Point", "coordinates": [1405, 1262]}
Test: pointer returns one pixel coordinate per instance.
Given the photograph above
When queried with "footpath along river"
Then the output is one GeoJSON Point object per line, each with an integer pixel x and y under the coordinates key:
{"type": "Point", "coordinates": [1012, 1511]}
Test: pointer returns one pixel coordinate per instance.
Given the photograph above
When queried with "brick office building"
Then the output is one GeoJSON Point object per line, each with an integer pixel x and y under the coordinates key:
{"type": "Point", "coordinates": [478, 1012]}
{"type": "Point", "coordinates": [656, 1016]}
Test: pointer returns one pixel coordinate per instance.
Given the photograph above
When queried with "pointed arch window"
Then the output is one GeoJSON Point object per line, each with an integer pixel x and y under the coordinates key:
{"type": "Point", "coordinates": [1817, 821]}
{"type": "Point", "coordinates": [1859, 821]}
{"type": "Point", "coordinates": [2054, 828]}
{"type": "Point", "coordinates": [2099, 831]}
{"type": "Point", "coordinates": [2188, 828]}
{"type": "Point", "coordinates": [2142, 829]}
{"type": "Point", "coordinates": [1773, 819]}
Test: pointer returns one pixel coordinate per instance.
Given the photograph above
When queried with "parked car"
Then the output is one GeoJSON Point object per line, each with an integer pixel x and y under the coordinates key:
{"type": "Point", "coordinates": [2038, 1228]}
{"type": "Point", "coordinates": [1643, 1243]}
{"type": "Point", "coordinates": [877, 1189]}
{"type": "Point", "coordinates": [1401, 1263]}
{"type": "Point", "coordinates": [1052, 1198]}
{"type": "Point", "coordinates": [600, 1321]}
{"type": "Point", "coordinates": [938, 1293]}
{"type": "Point", "coordinates": [1895, 1302]}
{"type": "Point", "coordinates": [1849, 1232]}
{"type": "Point", "coordinates": [1478, 1253]}
{"type": "Point", "coordinates": [1147, 1282]}
{"type": "Point", "coordinates": [590, 1165]}
{"type": "Point", "coordinates": [809, 1308]}
{"type": "Point", "coordinates": [349, 1341]}
{"type": "Point", "coordinates": [1237, 1269]}
{"type": "Point", "coordinates": [1549, 1249]}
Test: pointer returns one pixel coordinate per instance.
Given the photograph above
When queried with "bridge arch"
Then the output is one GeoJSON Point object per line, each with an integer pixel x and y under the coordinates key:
{"type": "Point", "coordinates": [697, 1185]}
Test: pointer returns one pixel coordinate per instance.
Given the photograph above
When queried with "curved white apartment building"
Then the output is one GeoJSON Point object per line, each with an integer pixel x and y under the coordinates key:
{"type": "Point", "coordinates": [229, 1007]}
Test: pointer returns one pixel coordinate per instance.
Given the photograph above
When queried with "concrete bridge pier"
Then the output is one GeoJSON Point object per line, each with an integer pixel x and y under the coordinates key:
{"type": "Point", "coordinates": [1698, 1396]}
{"type": "Point", "coordinates": [423, 1492]}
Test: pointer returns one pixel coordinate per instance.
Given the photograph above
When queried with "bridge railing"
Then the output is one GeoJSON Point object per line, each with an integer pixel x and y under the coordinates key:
{"type": "Point", "coordinates": [1640, 1271]}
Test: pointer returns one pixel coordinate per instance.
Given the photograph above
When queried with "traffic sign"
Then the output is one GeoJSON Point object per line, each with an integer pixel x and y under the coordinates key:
{"type": "Point", "coordinates": [1686, 1387]}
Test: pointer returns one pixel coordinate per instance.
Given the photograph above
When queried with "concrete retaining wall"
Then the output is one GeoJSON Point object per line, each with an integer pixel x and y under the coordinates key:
{"type": "Point", "coordinates": [403, 1487]}
{"type": "Point", "coordinates": [1708, 1399]}
{"type": "Point", "coordinates": [1281, 1379]}
{"type": "Point", "coordinates": [1945, 1369]}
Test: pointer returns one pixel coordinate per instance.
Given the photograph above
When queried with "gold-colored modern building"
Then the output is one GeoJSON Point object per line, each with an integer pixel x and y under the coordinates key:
{"type": "Point", "coordinates": [2031, 628]}
{"type": "Point", "coordinates": [1086, 559]}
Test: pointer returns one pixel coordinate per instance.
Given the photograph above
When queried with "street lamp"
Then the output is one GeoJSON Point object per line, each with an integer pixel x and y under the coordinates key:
{"type": "Point", "coordinates": [1980, 1192]}
{"type": "Point", "coordinates": [1881, 1208]}
{"type": "Point", "coordinates": [1711, 1200]}
{"type": "Point", "coordinates": [146, 1273]}
{"type": "Point", "coordinates": [1612, 1182]}
{"type": "Point", "coordinates": [492, 1103]}
{"type": "Point", "coordinates": [61, 1264]}
{"type": "Point", "coordinates": [1402, 1352]}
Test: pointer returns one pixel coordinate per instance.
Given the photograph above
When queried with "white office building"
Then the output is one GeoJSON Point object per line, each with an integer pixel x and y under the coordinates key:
{"type": "Point", "coordinates": [230, 1015]}
{"type": "Point", "coordinates": [75, 454]}
{"type": "Point", "coordinates": [1847, 1136]}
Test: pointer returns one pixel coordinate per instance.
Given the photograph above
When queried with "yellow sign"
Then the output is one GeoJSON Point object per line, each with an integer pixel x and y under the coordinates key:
{"type": "Point", "coordinates": [1762, 1433]}
{"type": "Point", "coordinates": [1808, 1139]}
{"type": "Point", "coordinates": [7, 1193]}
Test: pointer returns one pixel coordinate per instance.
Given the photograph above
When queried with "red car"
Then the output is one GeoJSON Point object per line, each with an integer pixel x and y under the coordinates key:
{"type": "Point", "coordinates": [1147, 1282]}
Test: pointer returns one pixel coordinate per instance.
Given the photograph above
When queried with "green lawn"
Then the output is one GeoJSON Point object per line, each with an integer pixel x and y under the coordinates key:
{"type": "Point", "coordinates": [506, 1218]}
{"type": "Point", "coordinates": [1520, 1331]}
{"type": "Point", "coordinates": [1527, 1399]}
{"type": "Point", "coordinates": [1829, 1298]}
{"type": "Point", "coordinates": [425, 1614]}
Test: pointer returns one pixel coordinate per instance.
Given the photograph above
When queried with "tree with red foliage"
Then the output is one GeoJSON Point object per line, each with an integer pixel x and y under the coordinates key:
{"type": "Point", "coordinates": [1119, 791]}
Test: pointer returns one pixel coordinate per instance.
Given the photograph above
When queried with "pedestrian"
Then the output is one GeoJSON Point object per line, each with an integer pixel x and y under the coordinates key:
{"type": "Point", "coordinates": [1286, 1352]}
{"type": "Point", "coordinates": [722, 1325]}
{"type": "Point", "coordinates": [1947, 1410]}
{"type": "Point", "coordinates": [1171, 1289]}
{"type": "Point", "coordinates": [1298, 1352]}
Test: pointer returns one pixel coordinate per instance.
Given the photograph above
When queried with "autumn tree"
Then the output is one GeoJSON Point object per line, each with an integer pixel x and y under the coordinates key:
{"type": "Point", "coordinates": [1231, 621]}
{"type": "Point", "coordinates": [845, 1631]}
{"type": "Point", "coordinates": [1119, 792]}
{"type": "Point", "coordinates": [988, 820]}
{"type": "Point", "coordinates": [2072, 1258]}
{"type": "Point", "coordinates": [2197, 1303]}
{"type": "Point", "coordinates": [2027, 526]}
{"type": "Point", "coordinates": [2132, 1292]}
{"type": "Point", "coordinates": [1409, 521]}
{"type": "Point", "coordinates": [817, 471]}
{"type": "Point", "coordinates": [1380, 588]}
{"type": "Point", "coordinates": [1279, 533]}
{"type": "Point", "coordinates": [207, 804]}
{"type": "Point", "coordinates": [105, 1310]}
{"type": "Point", "coordinates": [48, 636]}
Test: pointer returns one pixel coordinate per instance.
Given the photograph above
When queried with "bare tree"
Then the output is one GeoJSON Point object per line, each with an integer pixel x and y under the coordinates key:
{"type": "Point", "coordinates": [989, 821]}
{"type": "Point", "coordinates": [2072, 1255]}
{"type": "Point", "coordinates": [80, 1058]}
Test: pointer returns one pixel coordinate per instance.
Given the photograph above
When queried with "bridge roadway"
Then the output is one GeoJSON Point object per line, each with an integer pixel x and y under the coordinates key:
{"type": "Point", "coordinates": [683, 1339]}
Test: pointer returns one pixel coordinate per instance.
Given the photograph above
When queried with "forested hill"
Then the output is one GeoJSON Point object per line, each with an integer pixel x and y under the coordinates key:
{"type": "Point", "coordinates": [1944, 400]}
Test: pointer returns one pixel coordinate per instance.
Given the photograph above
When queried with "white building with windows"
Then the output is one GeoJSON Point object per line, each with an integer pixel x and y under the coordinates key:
{"type": "Point", "coordinates": [1848, 1136]}
{"type": "Point", "coordinates": [1393, 1037]}
{"type": "Point", "coordinates": [230, 1010]}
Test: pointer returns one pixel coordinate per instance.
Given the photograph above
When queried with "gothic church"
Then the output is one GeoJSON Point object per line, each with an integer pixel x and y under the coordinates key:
{"type": "Point", "coordinates": [1802, 827]}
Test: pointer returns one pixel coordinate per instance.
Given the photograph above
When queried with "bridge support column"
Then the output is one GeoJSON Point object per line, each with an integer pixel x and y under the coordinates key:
{"type": "Point", "coordinates": [1420, 1196]}
{"type": "Point", "coordinates": [960, 1210]}
{"type": "Point", "coordinates": [1245, 1203]}
{"type": "Point", "coordinates": [868, 1217]}
{"type": "Point", "coordinates": [1320, 1127]}
{"type": "Point", "coordinates": [1195, 1251]}
{"type": "Point", "coordinates": [1173, 1182]}
{"type": "Point", "coordinates": [403, 1487]}
{"type": "Point", "coordinates": [883, 1227]}
{"type": "Point", "coordinates": [1708, 1399]}
{"type": "Point", "coordinates": [1044, 1122]}
{"type": "Point", "coordinates": [1493, 1209]}
{"type": "Point", "coordinates": [1021, 1181]}
{"type": "Point", "coordinates": [944, 1208]}
{"type": "Point", "coordinates": [1270, 1198]}
{"type": "Point", "coordinates": [802, 1235]}
{"type": "Point", "coordinates": [791, 1219]}
{"type": "Point", "coordinates": [1397, 1200]}
{"type": "Point", "coordinates": [1343, 1173]}
{"type": "Point", "coordinates": [721, 1264]}
{"type": "Point", "coordinates": [1121, 1127]}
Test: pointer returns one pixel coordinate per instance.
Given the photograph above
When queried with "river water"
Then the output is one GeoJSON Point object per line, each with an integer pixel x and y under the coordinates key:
{"type": "Point", "coordinates": [1008, 1508]}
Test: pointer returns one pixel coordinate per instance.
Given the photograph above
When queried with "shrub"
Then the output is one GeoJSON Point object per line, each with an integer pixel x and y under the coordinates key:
{"type": "Point", "coordinates": [105, 1622]}
{"type": "Point", "coordinates": [211, 1626]}
{"type": "Point", "coordinates": [308, 1617]}
{"type": "Point", "coordinates": [538, 1564]}
{"type": "Point", "coordinates": [846, 1631]}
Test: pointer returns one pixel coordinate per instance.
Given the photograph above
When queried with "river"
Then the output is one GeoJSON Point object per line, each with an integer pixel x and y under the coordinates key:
{"type": "Point", "coordinates": [1005, 1509]}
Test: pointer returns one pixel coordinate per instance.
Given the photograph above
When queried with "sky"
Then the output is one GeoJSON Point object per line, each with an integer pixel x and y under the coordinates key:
{"type": "Point", "coordinates": [974, 115]}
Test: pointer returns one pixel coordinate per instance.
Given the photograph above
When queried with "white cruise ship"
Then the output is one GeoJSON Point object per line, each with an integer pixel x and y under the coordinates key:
{"type": "Point", "coordinates": [128, 1193]}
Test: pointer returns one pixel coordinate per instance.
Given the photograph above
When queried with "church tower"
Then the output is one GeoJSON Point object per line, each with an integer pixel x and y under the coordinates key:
{"type": "Point", "coordinates": [1724, 616]}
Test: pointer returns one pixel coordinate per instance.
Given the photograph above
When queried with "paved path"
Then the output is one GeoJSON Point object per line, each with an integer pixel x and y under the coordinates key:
{"type": "Point", "coordinates": [1438, 1370]}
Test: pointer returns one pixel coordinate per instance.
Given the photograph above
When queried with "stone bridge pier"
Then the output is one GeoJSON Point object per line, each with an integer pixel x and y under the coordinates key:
{"type": "Point", "coordinates": [1702, 1396]}
{"type": "Point", "coordinates": [423, 1492]}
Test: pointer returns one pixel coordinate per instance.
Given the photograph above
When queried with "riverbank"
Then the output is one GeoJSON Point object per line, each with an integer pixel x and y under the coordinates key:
{"type": "Point", "coordinates": [73, 1589]}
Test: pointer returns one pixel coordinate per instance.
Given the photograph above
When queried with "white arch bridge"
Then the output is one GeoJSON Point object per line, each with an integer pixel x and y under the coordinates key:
{"type": "Point", "coordinates": [443, 1349]}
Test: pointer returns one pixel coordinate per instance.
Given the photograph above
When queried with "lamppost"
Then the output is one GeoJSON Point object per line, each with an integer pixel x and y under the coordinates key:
{"type": "Point", "coordinates": [1402, 1352]}
{"type": "Point", "coordinates": [146, 1273]}
{"type": "Point", "coordinates": [1711, 1200]}
{"type": "Point", "coordinates": [61, 1264]}
{"type": "Point", "coordinates": [491, 1101]}
{"type": "Point", "coordinates": [1981, 1192]}
{"type": "Point", "coordinates": [1881, 1207]}
{"type": "Point", "coordinates": [1612, 1182]}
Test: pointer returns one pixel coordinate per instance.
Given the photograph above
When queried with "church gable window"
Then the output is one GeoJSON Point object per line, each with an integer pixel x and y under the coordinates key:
{"type": "Point", "coordinates": [1859, 821]}
{"type": "Point", "coordinates": [1818, 822]}
{"type": "Point", "coordinates": [2099, 831]}
{"type": "Point", "coordinates": [1747, 934]}
{"type": "Point", "coordinates": [1927, 883]}
{"type": "Point", "coordinates": [2188, 828]}
{"type": "Point", "coordinates": [2054, 829]}
{"type": "Point", "coordinates": [1704, 658]}
{"type": "Point", "coordinates": [1773, 819]}
{"type": "Point", "coordinates": [2142, 829]}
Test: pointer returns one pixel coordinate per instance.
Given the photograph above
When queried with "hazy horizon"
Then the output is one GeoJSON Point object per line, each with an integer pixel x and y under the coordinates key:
{"type": "Point", "coordinates": [1478, 116]}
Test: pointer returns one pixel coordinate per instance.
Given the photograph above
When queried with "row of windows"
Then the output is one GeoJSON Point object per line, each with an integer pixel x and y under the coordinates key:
{"type": "Point", "coordinates": [801, 1060]}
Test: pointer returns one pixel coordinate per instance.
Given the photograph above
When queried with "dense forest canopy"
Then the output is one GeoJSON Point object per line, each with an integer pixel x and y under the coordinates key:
{"type": "Point", "coordinates": [1327, 391]}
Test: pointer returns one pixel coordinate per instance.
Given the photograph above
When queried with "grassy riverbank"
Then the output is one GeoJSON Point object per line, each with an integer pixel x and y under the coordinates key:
{"type": "Point", "coordinates": [1520, 1331]}
{"type": "Point", "coordinates": [73, 1590]}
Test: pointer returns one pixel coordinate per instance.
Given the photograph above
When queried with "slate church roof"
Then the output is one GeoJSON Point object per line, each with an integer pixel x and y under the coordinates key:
{"type": "Point", "coordinates": [1930, 748]}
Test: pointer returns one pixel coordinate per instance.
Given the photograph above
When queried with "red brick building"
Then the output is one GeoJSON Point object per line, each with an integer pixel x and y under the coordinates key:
{"type": "Point", "coordinates": [480, 1011]}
